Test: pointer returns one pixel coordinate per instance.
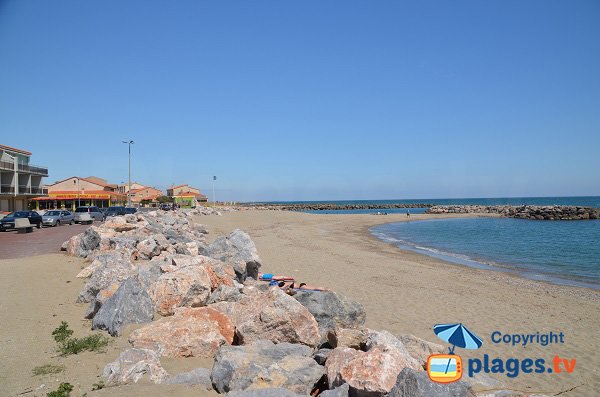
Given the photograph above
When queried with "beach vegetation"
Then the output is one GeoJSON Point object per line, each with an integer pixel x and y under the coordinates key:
{"type": "Point", "coordinates": [64, 390]}
{"type": "Point", "coordinates": [98, 386]}
{"type": "Point", "coordinates": [47, 369]}
{"type": "Point", "coordinates": [67, 344]}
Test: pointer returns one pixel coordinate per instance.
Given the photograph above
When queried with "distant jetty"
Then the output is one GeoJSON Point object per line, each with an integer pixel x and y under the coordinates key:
{"type": "Point", "coordinates": [333, 207]}
{"type": "Point", "coordinates": [535, 212]}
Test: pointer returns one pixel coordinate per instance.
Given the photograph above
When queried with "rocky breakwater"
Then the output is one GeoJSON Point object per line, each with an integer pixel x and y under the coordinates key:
{"type": "Point", "coordinates": [332, 206]}
{"type": "Point", "coordinates": [196, 298]}
{"type": "Point", "coordinates": [535, 212]}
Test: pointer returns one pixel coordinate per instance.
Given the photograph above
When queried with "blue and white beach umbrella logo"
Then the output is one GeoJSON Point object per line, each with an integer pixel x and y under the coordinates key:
{"type": "Point", "coordinates": [447, 368]}
{"type": "Point", "coordinates": [457, 335]}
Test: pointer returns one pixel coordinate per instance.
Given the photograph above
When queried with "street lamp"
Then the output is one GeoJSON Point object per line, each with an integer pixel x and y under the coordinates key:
{"type": "Point", "coordinates": [78, 190]}
{"type": "Point", "coordinates": [130, 142]}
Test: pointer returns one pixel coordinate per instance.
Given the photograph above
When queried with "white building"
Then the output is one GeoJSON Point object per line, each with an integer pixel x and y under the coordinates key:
{"type": "Point", "coordinates": [19, 179]}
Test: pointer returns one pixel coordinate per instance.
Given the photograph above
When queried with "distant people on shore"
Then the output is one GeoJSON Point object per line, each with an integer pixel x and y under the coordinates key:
{"type": "Point", "coordinates": [408, 213]}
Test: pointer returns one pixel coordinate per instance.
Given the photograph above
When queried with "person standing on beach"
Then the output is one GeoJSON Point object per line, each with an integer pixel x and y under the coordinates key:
{"type": "Point", "coordinates": [408, 213]}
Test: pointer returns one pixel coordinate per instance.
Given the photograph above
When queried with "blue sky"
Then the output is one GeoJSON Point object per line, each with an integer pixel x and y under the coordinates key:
{"type": "Point", "coordinates": [309, 99]}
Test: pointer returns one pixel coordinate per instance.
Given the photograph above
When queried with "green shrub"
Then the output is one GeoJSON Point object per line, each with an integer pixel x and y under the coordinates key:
{"type": "Point", "coordinates": [64, 390]}
{"type": "Point", "coordinates": [68, 345]}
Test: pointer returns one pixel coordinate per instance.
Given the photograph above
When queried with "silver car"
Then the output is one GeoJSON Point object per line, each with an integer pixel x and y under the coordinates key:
{"type": "Point", "coordinates": [57, 218]}
{"type": "Point", "coordinates": [93, 211]}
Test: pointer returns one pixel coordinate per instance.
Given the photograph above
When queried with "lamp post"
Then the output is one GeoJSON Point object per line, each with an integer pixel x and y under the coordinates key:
{"type": "Point", "coordinates": [78, 191]}
{"type": "Point", "coordinates": [214, 200]}
{"type": "Point", "coordinates": [129, 143]}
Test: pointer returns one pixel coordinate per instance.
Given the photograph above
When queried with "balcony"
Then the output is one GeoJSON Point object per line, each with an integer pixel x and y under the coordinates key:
{"type": "Point", "coordinates": [24, 168]}
{"type": "Point", "coordinates": [23, 190]}
{"type": "Point", "coordinates": [33, 169]}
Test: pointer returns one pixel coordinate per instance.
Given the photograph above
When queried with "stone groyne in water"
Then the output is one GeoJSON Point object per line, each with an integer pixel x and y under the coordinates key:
{"type": "Point", "coordinates": [535, 212]}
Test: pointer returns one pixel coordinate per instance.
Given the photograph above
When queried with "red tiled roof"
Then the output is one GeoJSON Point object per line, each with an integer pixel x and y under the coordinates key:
{"type": "Point", "coordinates": [15, 150]}
{"type": "Point", "coordinates": [95, 182]}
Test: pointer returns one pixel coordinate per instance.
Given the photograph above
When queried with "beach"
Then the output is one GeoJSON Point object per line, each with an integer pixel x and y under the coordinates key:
{"type": "Point", "coordinates": [407, 293]}
{"type": "Point", "coordinates": [402, 292]}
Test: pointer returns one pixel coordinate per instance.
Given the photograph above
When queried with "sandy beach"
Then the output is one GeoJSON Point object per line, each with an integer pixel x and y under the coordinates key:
{"type": "Point", "coordinates": [407, 293]}
{"type": "Point", "coordinates": [403, 292]}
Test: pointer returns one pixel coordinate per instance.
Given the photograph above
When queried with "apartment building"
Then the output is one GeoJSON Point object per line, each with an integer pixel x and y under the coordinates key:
{"type": "Point", "coordinates": [19, 179]}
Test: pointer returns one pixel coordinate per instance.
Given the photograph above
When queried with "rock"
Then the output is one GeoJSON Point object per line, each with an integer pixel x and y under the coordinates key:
{"type": "Point", "coordinates": [191, 332]}
{"type": "Point", "coordinates": [129, 305]}
{"type": "Point", "coordinates": [225, 293]}
{"type": "Point", "coordinates": [90, 239]}
{"type": "Point", "coordinates": [99, 300]}
{"type": "Point", "coordinates": [273, 316]}
{"type": "Point", "coordinates": [347, 337]}
{"type": "Point", "coordinates": [374, 373]}
{"type": "Point", "coordinates": [105, 259]}
{"type": "Point", "coordinates": [337, 360]}
{"type": "Point", "coordinates": [198, 376]}
{"type": "Point", "coordinates": [321, 355]}
{"type": "Point", "coordinates": [107, 273]}
{"type": "Point", "coordinates": [238, 250]}
{"type": "Point", "coordinates": [75, 247]}
{"type": "Point", "coordinates": [148, 248]}
{"type": "Point", "coordinates": [189, 286]}
{"type": "Point", "coordinates": [265, 365]}
{"type": "Point", "coordinates": [411, 383]}
{"type": "Point", "coordinates": [131, 365]}
{"type": "Point", "coordinates": [387, 340]}
{"type": "Point", "coordinates": [332, 310]}
{"type": "Point", "coordinates": [270, 392]}
{"type": "Point", "coordinates": [340, 391]}
{"type": "Point", "coordinates": [420, 349]}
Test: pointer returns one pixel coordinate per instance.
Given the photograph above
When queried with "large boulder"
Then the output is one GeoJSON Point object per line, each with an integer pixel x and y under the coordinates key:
{"type": "Point", "coordinates": [347, 337]}
{"type": "Point", "coordinates": [131, 304]}
{"type": "Point", "coordinates": [420, 349]}
{"type": "Point", "coordinates": [411, 383]}
{"type": "Point", "coordinates": [197, 377]}
{"type": "Point", "coordinates": [265, 365]}
{"type": "Point", "coordinates": [238, 250]}
{"type": "Point", "coordinates": [189, 286]}
{"type": "Point", "coordinates": [337, 359]}
{"type": "Point", "coordinates": [332, 310]}
{"type": "Point", "coordinates": [273, 316]}
{"type": "Point", "coordinates": [148, 248]}
{"type": "Point", "coordinates": [131, 365]}
{"type": "Point", "coordinates": [106, 259]}
{"type": "Point", "coordinates": [225, 293]}
{"type": "Point", "coordinates": [374, 372]}
{"type": "Point", "coordinates": [106, 273]}
{"type": "Point", "coordinates": [90, 239]}
{"type": "Point", "coordinates": [196, 332]}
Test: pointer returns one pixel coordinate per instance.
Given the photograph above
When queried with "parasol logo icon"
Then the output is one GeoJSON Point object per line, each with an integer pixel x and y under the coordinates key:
{"type": "Point", "coordinates": [448, 368]}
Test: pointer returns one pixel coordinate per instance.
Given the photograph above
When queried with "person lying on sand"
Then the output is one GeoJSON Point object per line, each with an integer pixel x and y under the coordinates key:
{"type": "Point", "coordinates": [293, 286]}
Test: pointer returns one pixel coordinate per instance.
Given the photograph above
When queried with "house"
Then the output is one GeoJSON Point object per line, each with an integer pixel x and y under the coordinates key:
{"type": "Point", "coordinates": [145, 195]}
{"type": "Point", "coordinates": [186, 196]}
{"type": "Point", "coordinates": [124, 187]}
{"type": "Point", "coordinates": [19, 179]}
{"type": "Point", "coordinates": [77, 191]}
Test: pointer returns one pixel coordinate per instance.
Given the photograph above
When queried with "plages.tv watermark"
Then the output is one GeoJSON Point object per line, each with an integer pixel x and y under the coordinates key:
{"type": "Point", "coordinates": [447, 368]}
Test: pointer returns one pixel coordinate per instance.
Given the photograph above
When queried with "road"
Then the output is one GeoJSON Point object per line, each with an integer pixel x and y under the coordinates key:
{"type": "Point", "coordinates": [46, 240]}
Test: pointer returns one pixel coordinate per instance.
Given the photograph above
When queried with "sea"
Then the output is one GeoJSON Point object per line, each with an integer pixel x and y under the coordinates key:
{"type": "Point", "coordinates": [560, 252]}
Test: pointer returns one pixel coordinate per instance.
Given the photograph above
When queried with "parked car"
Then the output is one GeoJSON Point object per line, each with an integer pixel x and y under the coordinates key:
{"type": "Point", "coordinates": [115, 211]}
{"type": "Point", "coordinates": [94, 212]}
{"type": "Point", "coordinates": [103, 210]}
{"type": "Point", "coordinates": [130, 210]}
{"type": "Point", "coordinates": [166, 207]}
{"type": "Point", "coordinates": [57, 218]}
{"type": "Point", "coordinates": [8, 222]}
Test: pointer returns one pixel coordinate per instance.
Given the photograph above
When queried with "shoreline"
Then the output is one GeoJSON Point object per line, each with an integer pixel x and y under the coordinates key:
{"type": "Point", "coordinates": [468, 262]}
